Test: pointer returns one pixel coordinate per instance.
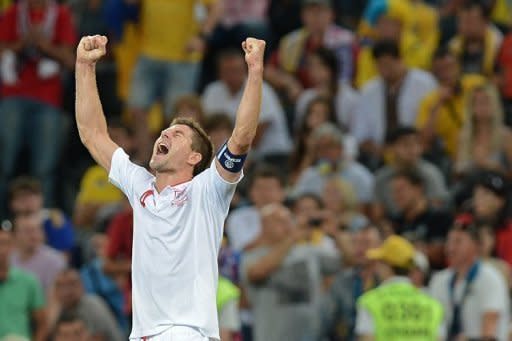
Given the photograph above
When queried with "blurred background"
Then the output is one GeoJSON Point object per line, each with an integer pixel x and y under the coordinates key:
{"type": "Point", "coordinates": [379, 118]}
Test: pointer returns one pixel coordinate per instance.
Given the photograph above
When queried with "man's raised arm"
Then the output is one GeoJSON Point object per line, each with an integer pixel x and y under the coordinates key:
{"type": "Point", "coordinates": [90, 119]}
{"type": "Point", "coordinates": [231, 156]}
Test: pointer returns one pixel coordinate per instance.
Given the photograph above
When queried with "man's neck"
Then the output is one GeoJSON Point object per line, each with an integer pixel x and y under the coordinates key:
{"type": "Point", "coordinates": [27, 253]}
{"type": "Point", "coordinates": [463, 269]}
{"type": "Point", "coordinates": [170, 179]}
{"type": "Point", "coordinates": [399, 77]}
{"type": "Point", "coordinates": [419, 207]}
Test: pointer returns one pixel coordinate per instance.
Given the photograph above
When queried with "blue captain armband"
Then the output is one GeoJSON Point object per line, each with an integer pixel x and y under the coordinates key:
{"type": "Point", "coordinates": [229, 161]}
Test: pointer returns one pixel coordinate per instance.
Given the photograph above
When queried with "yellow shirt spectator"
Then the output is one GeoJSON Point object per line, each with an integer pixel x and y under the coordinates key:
{"type": "Point", "coordinates": [451, 114]}
{"type": "Point", "coordinates": [501, 12]}
{"type": "Point", "coordinates": [167, 26]}
{"type": "Point", "coordinates": [96, 189]}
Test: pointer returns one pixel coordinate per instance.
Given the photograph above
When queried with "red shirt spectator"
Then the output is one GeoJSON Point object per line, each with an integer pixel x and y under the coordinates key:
{"type": "Point", "coordinates": [120, 235]}
{"type": "Point", "coordinates": [504, 242]}
{"type": "Point", "coordinates": [50, 28]}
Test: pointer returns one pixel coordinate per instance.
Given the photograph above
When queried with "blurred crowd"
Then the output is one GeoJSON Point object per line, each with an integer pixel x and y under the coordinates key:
{"type": "Point", "coordinates": [377, 198]}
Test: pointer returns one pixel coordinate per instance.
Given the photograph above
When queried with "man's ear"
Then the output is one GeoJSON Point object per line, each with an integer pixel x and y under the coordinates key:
{"type": "Point", "coordinates": [194, 158]}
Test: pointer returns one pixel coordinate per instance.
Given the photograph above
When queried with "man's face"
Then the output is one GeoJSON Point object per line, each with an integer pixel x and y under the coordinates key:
{"type": "Point", "coordinates": [316, 18]}
{"type": "Point", "coordinates": [233, 71]}
{"type": "Point", "coordinates": [388, 68]}
{"type": "Point", "coordinates": [29, 232]}
{"type": "Point", "coordinates": [306, 207]}
{"type": "Point", "coordinates": [388, 28]}
{"type": "Point", "coordinates": [447, 70]}
{"type": "Point", "coordinates": [404, 193]}
{"type": "Point", "coordinates": [328, 148]}
{"type": "Point", "coordinates": [265, 191]}
{"type": "Point", "coordinates": [471, 23]}
{"type": "Point", "coordinates": [26, 203]}
{"type": "Point", "coordinates": [407, 149]}
{"type": "Point", "coordinates": [318, 72]}
{"type": "Point", "coordinates": [460, 247]}
{"type": "Point", "coordinates": [72, 331]}
{"type": "Point", "coordinates": [485, 203]}
{"type": "Point", "coordinates": [278, 224]}
{"type": "Point", "coordinates": [68, 288]}
{"type": "Point", "coordinates": [173, 149]}
{"type": "Point", "coordinates": [219, 136]}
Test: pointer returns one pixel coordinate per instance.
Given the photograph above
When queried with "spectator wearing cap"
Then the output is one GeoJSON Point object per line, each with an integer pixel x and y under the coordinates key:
{"type": "Point", "coordinates": [32, 255]}
{"type": "Point", "coordinates": [491, 207]}
{"type": "Point", "coordinates": [26, 198]}
{"type": "Point", "coordinates": [328, 149]}
{"type": "Point", "coordinates": [390, 100]}
{"type": "Point", "coordinates": [396, 309]}
{"type": "Point", "coordinates": [416, 219]}
{"type": "Point", "coordinates": [473, 293]}
{"type": "Point", "coordinates": [405, 152]}
{"type": "Point", "coordinates": [337, 310]}
{"type": "Point", "coordinates": [22, 307]}
{"type": "Point", "coordinates": [287, 68]}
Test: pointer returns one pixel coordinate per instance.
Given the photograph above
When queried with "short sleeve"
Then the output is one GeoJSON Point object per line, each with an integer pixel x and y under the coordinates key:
{"type": "Point", "coordinates": [124, 174]}
{"type": "Point", "coordinates": [229, 316]}
{"type": "Point", "coordinates": [493, 292]}
{"type": "Point", "coordinates": [219, 190]}
{"type": "Point", "coordinates": [36, 295]}
{"type": "Point", "coordinates": [364, 322]}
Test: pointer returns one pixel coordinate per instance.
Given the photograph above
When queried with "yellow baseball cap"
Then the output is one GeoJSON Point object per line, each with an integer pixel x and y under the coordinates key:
{"type": "Point", "coordinates": [395, 251]}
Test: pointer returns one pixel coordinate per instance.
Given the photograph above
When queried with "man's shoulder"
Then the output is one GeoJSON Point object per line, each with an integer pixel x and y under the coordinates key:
{"type": "Point", "coordinates": [372, 87]}
{"type": "Point", "coordinates": [441, 279]}
{"type": "Point", "coordinates": [20, 277]}
{"type": "Point", "coordinates": [244, 212]}
{"type": "Point", "coordinates": [418, 75]}
{"type": "Point", "coordinates": [53, 256]}
{"type": "Point", "coordinates": [359, 170]}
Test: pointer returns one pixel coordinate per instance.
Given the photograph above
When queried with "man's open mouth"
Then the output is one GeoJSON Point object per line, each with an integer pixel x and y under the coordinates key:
{"type": "Point", "coordinates": [162, 149]}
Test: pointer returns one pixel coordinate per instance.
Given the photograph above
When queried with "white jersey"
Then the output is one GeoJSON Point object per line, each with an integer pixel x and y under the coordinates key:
{"type": "Point", "coordinates": [176, 240]}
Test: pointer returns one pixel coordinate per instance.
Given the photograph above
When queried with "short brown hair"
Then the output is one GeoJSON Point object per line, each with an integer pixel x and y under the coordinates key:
{"type": "Point", "coordinates": [201, 143]}
{"type": "Point", "coordinates": [24, 184]}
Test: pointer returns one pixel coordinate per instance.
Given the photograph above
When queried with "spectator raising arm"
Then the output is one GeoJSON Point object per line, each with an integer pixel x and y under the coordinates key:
{"type": "Point", "coordinates": [90, 119]}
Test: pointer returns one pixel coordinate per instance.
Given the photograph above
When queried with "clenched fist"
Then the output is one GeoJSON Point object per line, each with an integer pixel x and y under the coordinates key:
{"type": "Point", "coordinates": [91, 49]}
{"type": "Point", "coordinates": [254, 51]}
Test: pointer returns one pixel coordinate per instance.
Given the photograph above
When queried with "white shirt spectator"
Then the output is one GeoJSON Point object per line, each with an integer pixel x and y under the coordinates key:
{"type": "Point", "coordinates": [488, 292]}
{"type": "Point", "coordinates": [346, 102]}
{"type": "Point", "coordinates": [372, 106]}
{"type": "Point", "coordinates": [243, 226]}
{"type": "Point", "coordinates": [276, 140]}
{"type": "Point", "coordinates": [177, 236]}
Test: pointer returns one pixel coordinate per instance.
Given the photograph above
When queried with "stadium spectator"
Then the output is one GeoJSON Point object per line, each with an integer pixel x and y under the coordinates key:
{"type": "Point", "coordinates": [70, 298]}
{"type": "Point", "coordinates": [385, 312]}
{"type": "Point", "coordinates": [484, 137]}
{"type": "Point", "coordinates": [337, 309]}
{"type": "Point", "coordinates": [243, 226]}
{"type": "Point", "coordinates": [416, 219]}
{"type": "Point", "coordinates": [225, 95]}
{"type": "Point", "coordinates": [219, 127]}
{"type": "Point", "coordinates": [477, 42]}
{"type": "Point", "coordinates": [491, 206]}
{"type": "Point", "coordinates": [405, 153]}
{"type": "Point", "coordinates": [322, 69]}
{"type": "Point", "coordinates": [189, 106]}
{"type": "Point", "coordinates": [328, 147]}
{"type": "Point", "coordinates": [26, 198]}
{"type": "Point", "coordinates": [473, 293]}
{"type": "Point", "coordinates": [31, 255]}
{"type": "Point", "coordinates": [22, 310]}
{"type": "Point", "coordinates": [286, 70]}
{"type": "Point", "coordinates": [37, 40]}
{"type": "Point", "coordinates": [227, 305]}
{"type": "Point", "coordinates": [283, 278]}
{"type": "Point", "coordinates": [441, 113]}
{"type": "Point", "coordinates": [97, 194]}
{"type": "Point", "coordinates": [399, 22]}
{"type": "Point", "coordinates": [96, 281]}
{"type": "Point", "coordinates": [390, 100]}
{"type": "Point", "coordinates": [168, 64]}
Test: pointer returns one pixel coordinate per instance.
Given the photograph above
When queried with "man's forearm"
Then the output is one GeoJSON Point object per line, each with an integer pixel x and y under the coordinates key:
{"type": "Point", "coordinates": [269, 263]}
{"type": "Point", "coordinates": [89, 113]}
{"type": "Point", "coordinates": [214, 13]}
{"type": "Point", "coordinates": [247, 117]}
